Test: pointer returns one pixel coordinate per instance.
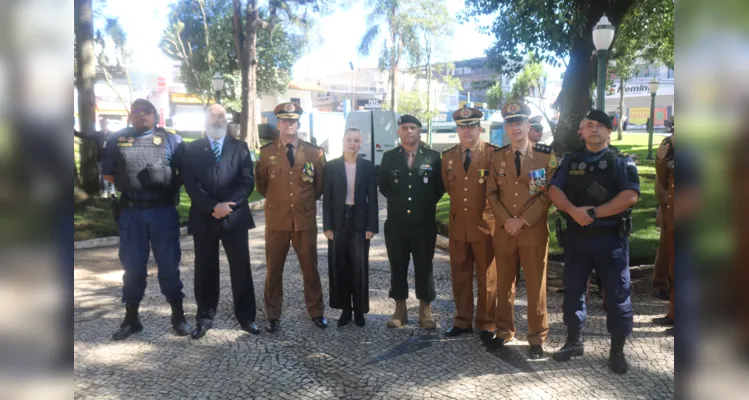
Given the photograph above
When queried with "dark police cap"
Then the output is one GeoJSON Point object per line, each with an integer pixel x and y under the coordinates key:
{"type": "Point", "coordinates": [143, 104]}
{"type": "Point", "coordinates": [408, 119]}
{"type": "Point", "coordinates": [467, 116]}
{"type": "Point", "coordinates": [288, 111]}
{"type": "Point", "coordinates": [600, 116]}
{"type": "Point", "coordinates": [513, 111]}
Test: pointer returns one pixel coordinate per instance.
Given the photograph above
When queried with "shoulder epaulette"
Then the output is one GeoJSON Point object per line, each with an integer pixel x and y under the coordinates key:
{"type": "Point", "coordinates": [493, 146]}
{"type": "Point", "coordinates": [503, 147]}
{"type": "Point", "coordinates": [542, 148]}
{"type": "Point", "coordinates": [267, 144]}
{"type": "Point", "coordinates": [450, 148]}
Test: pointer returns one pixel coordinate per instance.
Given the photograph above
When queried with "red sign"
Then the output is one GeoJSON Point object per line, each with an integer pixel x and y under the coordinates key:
{"type": "Point", "coordinates": [162, 84]}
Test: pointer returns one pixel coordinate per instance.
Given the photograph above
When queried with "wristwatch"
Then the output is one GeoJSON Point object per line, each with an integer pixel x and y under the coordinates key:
{"type": "Point", "coordinates": [592, 213]}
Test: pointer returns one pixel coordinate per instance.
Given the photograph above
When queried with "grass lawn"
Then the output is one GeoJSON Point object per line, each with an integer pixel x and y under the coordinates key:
{"type": "Point", "coordinates": [645, 236]}
{"type": "Point", "coordinates": [93, 219]}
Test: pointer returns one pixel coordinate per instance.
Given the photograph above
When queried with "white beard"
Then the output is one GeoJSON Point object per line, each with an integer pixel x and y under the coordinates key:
{"type": "Point", "coordinates": [216, 133]}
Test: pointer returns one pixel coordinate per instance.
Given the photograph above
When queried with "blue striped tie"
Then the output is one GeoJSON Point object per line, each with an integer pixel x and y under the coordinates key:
{"type": "Point", "coordinates": [216, 152]}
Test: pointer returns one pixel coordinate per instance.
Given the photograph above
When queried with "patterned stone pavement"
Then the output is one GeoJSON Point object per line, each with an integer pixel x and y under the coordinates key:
{"type": "Point", "coordinates": [304, 362]}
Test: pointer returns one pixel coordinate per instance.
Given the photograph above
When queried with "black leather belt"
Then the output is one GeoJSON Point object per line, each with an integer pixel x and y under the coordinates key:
{"type": "Point", "coordinates": [146, 204]}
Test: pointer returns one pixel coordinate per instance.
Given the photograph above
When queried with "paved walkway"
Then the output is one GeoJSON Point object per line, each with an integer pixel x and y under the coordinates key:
{"type": "Point", "coordinates": [303, 362]}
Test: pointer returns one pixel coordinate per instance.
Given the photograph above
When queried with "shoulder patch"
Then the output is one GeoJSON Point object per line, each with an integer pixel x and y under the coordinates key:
{"type": "Point", "coordinates": [450, 148]}
{"type": "Point", "coordinates": [542, 148]}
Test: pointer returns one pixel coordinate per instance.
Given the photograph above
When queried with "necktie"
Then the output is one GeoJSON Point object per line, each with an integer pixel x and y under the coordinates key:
{"type": "Point", "coordinates": [467, 161]}
{"type": "Point", "coordinates": [290, 153]}
{"type": "Point", "coordinates": [517, 162]}
{"type": "Point", "coordinates": [216, 152]}
{"type": "Point", "coordinates": [410, 160]}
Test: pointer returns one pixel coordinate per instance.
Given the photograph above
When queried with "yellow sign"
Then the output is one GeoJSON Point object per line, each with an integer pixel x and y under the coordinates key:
{"type": "Point", "coordinates": [185, 98]}
{"type": "Point", "coordinates": [639, 115]}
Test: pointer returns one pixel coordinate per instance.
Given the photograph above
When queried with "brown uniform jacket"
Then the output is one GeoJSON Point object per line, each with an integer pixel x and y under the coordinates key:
{"type": "Point", "coordinates": [510, 197]}
{"type": "Point", "coordinates": [471, 217]}
{"type": "Point", "coordinates": [290, 192]}
{"type": "Point", "coordinates": [664, 188]}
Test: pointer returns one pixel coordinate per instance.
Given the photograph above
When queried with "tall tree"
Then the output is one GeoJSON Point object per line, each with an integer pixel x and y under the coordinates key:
{"type": "Point", "coordinates": [114, 33]}
{"type": "Point", "coordinates": [214, 36]}
{"type": "Point", "coordinates": [85, 76]}
{"type": "Point", "coordinates": [402, 39]}
{"type": "Point", "coordinates": [554, 31]}
{"type": "Point", "coordinates": [530, 87]}
{"type": "Point", "coordinates": [435, 26]}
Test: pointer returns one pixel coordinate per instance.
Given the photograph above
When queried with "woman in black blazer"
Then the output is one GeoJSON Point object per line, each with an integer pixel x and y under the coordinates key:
{"type": "Point", "coordinates": [349, 222]}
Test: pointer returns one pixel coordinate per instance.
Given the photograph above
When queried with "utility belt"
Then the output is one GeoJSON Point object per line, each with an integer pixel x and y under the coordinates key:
{"type": "Point", "coordinates": [622, 228]}
{"type": "Point", "coordinates": [117, 204]}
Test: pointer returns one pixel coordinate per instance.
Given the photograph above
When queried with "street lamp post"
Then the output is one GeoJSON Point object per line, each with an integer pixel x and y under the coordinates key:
{"type": "Point", "coordinates": [218, 85]}
{"type": "Point", "coordinates": [653, 90]}
{"type": "Point", "coordinates": [603, 35]}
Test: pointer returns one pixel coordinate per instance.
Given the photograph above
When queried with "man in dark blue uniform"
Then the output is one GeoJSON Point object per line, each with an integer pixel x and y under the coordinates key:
{"type": "Point", "coordinates": [141, 163]}
{"type": "Point", "coordinates": [595, 189]}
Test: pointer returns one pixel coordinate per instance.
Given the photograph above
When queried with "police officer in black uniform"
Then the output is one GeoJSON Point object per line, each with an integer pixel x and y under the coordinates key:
{"type": "Point", "coordinates": [595, 189]}
{"type": "Point", "coordinates": [141, 162]}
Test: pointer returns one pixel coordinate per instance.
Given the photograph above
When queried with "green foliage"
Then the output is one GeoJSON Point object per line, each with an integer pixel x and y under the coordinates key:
{"type": "Point", "coordinates": [495, 97]}
{"type": "Point", "coordinates": [530, 81]}
{"type": "Point", "coordinates": [185, 40]}
{"type": "Point", "coordinates": [414, 103]}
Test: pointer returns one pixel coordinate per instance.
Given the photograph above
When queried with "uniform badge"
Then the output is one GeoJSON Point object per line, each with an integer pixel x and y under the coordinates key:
{"type": "Point", "coordinates": [482, 174]}
{"type": "Point", "coordinates": [582, 166]}
{"type": "Point", "coordinates": [121, 139]}
{"type": "Point", "coordinates": [157, 140]}
{"type": "Point", "coordinates": [465, 112]}
{"type": "Point", "coordinates": [553, 161]}
{"type": "Point", "coordinates": [602, 164]}
{"type": "Point", "coordinates": [513, 108]}
{"type": "Point", "coordinates": [426, 179]}
{"type": "Point", "coordinates": [288, 107]}
{"type": "Point", "coordinates": [503, 164]}
{"type": "Point", "coordinates": [272, 176]}
{"type": "Point", "coordinates": [450, 162]}
{"type": "Point", "coordinates": [131, 140]}
{"type": "Point", "coordinates": [501, 171]}
{"type": "Point", "coordinates": [272, 158]}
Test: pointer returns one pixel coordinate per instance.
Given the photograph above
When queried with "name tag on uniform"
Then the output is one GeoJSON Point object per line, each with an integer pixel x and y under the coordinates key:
{"type": "Point", "coordinates": [577, 172]}
{"type": "Point", "coordinates": [125, 144]}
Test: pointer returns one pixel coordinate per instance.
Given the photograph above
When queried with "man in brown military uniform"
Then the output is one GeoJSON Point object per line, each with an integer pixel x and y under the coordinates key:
{"type": "Point", "coordinates": [518, 197]}
{"type": "Point", "coordinates": [661, 280]}
{"type": "Point", "coordinates": [664, 170]}
{"type": "Point", "coordinates": [290, 177]}
{"type": "Point", "coordinates": [465, 170]}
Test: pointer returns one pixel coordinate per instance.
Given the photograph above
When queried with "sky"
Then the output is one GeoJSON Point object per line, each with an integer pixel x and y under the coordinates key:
{"type": "Point", "coordinates": [340, 34]}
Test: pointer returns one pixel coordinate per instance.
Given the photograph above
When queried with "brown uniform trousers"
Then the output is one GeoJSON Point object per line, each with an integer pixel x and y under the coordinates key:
{"type": "Point", "coordinates": [664, 168]}
{"type": "Point", "coordinates": [471, 226]}
{"type": "Point", "coordinates": [510, 197]}
{"type": "Point", "coordinates": [291, 195]}
{"type": "Point", "coordinates": [661, 279]}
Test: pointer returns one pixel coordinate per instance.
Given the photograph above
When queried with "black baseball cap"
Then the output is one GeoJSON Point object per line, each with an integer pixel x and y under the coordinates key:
{"type": "Point", "coordinates": [600, 116]}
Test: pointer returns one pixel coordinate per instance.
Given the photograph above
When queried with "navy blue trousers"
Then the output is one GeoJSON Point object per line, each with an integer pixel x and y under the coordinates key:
{"type": "Point", "coordinates": [143, 230]}
{"type": "Point", "coordinates": [610, 256]}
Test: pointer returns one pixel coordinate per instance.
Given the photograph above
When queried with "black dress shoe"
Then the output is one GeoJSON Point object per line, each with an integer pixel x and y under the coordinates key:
{"type": "Point", "coordinates": [536, 352]}
{"type": "Point", "coordinates": [251, 328]}
{"type": "Point", "coordinates": [496, 343]}
{"type": "Point", "coordinates": [272, 325]}
{"type": "Point", "coordinates": [126, 330]}
{"type": "Point", "coordinates": [345, 318]}
{"type": "Point", "coordinates": [664, 321]}
{"type": "Point", "coordinates": [320, 322]}
{"type": "Point", "coordinates": [569, 350]}
{"type": "Point", "coordinates": [488, 335]}
{"type": "Point", "coordinates": [181, 328]}
{"type": "Point", "coordinates": [359, 319]}
{"type": "Point", "coordinates": [179, 323]}
{"type": "Point", "coordinates": [199, 331]}
{"type": "Point", "coordinates": [661, 294]}
{"type": "Point", "coordinates": [455, 331]}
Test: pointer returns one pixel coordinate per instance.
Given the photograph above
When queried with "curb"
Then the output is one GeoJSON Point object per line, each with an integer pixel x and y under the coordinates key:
{"type": "Point", "coordinates": [635, 271]}
{"type": "Point", "coordinates": [115, 240]}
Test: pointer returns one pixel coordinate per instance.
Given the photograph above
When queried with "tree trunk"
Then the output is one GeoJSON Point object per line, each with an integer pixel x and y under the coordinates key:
{"type": "Point", "coordinates": [249, 131]}
{"type": "Point", "coordinates": [621, 110]}
{"type": "Point", "coordinates": [85, 78]}
{"type": "Point", "coordinates": [575, 96]}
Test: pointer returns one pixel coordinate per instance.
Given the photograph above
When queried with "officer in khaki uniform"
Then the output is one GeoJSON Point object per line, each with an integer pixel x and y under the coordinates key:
{"type": "Point", "coordinates": [518, 197]}
{"type": "Point", "coordinates": [290, 177]}
{"type": "Point", "coordinates": [664, 171]}
{"type": "Point", "coordinates": [661, 280]}
{"type": "Point", "coordinates": [465, 170]}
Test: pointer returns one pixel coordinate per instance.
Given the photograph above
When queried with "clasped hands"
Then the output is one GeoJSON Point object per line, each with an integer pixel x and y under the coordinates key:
{"type": "Point", "coordinates": [580, 215]}
{"type": "Point", "coordinates": [222, 209]}
{"type": "Point", "coordinates": [514, 226]}
{"type": "Point", "coordinates": [329, 234]}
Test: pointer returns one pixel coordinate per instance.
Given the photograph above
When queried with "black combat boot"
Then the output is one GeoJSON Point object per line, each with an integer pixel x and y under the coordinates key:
{"type": "Point", "coordinates": [179, 323]}
{"type": "Point", "coordinates": [572, 348]}
{"type": "Point", "coordinates": [617, 362]}
{"type": "Point", "coordinates": [131, 324]}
